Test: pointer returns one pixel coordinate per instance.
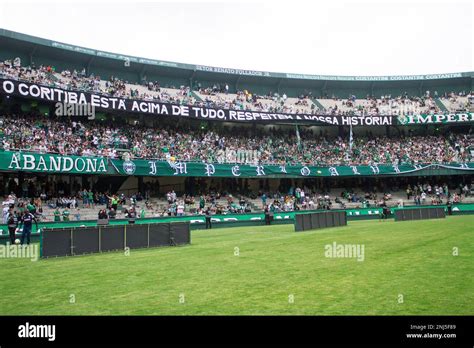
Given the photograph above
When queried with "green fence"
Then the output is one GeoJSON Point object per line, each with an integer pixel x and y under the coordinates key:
{"type": "Point", "coordinates": [234, 220]}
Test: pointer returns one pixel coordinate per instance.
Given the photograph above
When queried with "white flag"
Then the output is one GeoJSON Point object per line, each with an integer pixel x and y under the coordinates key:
{"type": "Point", "coordinates": [350, 138]}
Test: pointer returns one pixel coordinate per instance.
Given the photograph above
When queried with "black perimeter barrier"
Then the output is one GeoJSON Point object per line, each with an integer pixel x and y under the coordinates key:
{"type": "Point", "coordinates": [419, 214]}
{"type": "Point", "coordinates": [95, 239]}
{"type": "Point", "coordinates": [313, 221]}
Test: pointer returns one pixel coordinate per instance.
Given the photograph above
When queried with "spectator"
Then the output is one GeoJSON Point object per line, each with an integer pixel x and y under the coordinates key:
{"type": "Point", "coordinates": [57, 215]}
{"type": "Point", "coordinates": [12, 222]}
{"type": "Point", "coordinates": [66, 214]}
{"type": "Point", "coordinates": [27, 222]}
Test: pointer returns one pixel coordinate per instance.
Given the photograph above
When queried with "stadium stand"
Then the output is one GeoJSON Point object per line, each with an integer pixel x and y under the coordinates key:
{"type": "Point", "coordinates": [40, 134]}
{"type": "Point", "coordinates": [243, 100]}
{"type": "Point", "coordinates": [29, 125]}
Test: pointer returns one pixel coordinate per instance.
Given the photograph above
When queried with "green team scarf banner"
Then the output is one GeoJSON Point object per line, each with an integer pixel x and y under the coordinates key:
{"type": "Point", "coordinates": [57, 164]}
{"type": "Point", "coordinates": [408, 120]}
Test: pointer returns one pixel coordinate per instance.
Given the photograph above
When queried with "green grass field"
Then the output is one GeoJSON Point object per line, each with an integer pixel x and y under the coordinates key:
{"type": "Point", "coordinates": [414, 259]}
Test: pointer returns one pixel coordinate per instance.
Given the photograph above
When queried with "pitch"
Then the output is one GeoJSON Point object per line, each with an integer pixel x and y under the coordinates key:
{"type": "Point", "coordinates": [408, 268]}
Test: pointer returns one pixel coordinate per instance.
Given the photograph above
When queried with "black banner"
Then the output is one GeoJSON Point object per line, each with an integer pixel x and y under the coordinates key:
{"type": "Point", "coordinates": [100, 101]}
{"type": "Point", "coordinates": [428, 331]}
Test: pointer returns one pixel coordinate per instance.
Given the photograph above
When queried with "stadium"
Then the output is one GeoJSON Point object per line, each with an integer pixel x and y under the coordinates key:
{"type": "Point", "coordinates": [165, 188]}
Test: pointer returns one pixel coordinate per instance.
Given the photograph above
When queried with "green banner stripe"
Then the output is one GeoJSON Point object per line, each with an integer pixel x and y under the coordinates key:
{"type": "Point", "coordinates": [56, 164]}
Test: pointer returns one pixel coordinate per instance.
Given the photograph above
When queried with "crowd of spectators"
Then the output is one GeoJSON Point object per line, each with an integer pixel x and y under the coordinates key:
{"type": "Point", "coordinates": [114, 206]}
{"type": "Point", "coordinates": [66, 208]}
{"type": "Point", "coordinates": [459, 102]}
{"type": "Point", "coordinates": [92, 138]}
{"type": "Point", "coordinates": [218, 95]}
{"type": "Point", "coordinates": [305, 198]}
{"type": "Point", "coordinates": [385, 105]}
{"type": "Point", "coordinates": [80, 81]}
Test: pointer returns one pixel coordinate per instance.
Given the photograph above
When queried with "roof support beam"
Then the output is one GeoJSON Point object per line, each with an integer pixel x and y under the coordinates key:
{"type": "Point", "coordinates": [89, 62]}
{"type": "Point", "coordinates": [31, 55]}
{"type": "Point", "coordinates": [237, 83]}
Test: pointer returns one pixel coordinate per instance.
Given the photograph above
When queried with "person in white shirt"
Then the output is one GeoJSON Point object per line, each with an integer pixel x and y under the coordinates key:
{"type": "Point", "coordinates": [180, 209]}
{"type": "Point", "coordinates": [5, 212]}
{"type": "Point", "coordinates": [423, 197]}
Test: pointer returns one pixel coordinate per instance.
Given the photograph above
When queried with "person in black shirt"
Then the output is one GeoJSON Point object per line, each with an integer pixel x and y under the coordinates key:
{"type": "Point", "coordinates": [112, 213]}
{"type": "Point", "coordinates": [450, 207]}
{"type": "Point", "coordinates": [385, 211]}
{"type": "Point", "coordinates": [102, 214]}
{"type": "Point", "coordinates": [132, 214]}
{"type": "Point", "coordinates": [267, 216]}
{"type": "Point", "coordinates": [12, 221]}
{"type": "Point", "coordinates": [27, 222]}
{"type": "Point", "coordinates": [208, 219]}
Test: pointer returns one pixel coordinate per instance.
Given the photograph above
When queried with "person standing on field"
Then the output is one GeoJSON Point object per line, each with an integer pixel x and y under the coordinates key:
{"type": "Point", "coordinates": [208, 219]}
{"type": "Point", "coordinates": [27, 223]}
{"type": "Point", "coordinates": [267, 216]}
{"type": "Point", "coordinates": [12, 221]}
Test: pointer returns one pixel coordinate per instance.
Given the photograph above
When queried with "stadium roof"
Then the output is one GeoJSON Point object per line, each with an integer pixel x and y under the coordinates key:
{"type": "Point", "coordinates": [33, 42]}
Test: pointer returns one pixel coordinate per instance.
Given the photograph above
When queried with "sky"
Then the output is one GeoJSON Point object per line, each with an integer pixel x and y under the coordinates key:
{"type": "Point", "coordinates": [337, 37]}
